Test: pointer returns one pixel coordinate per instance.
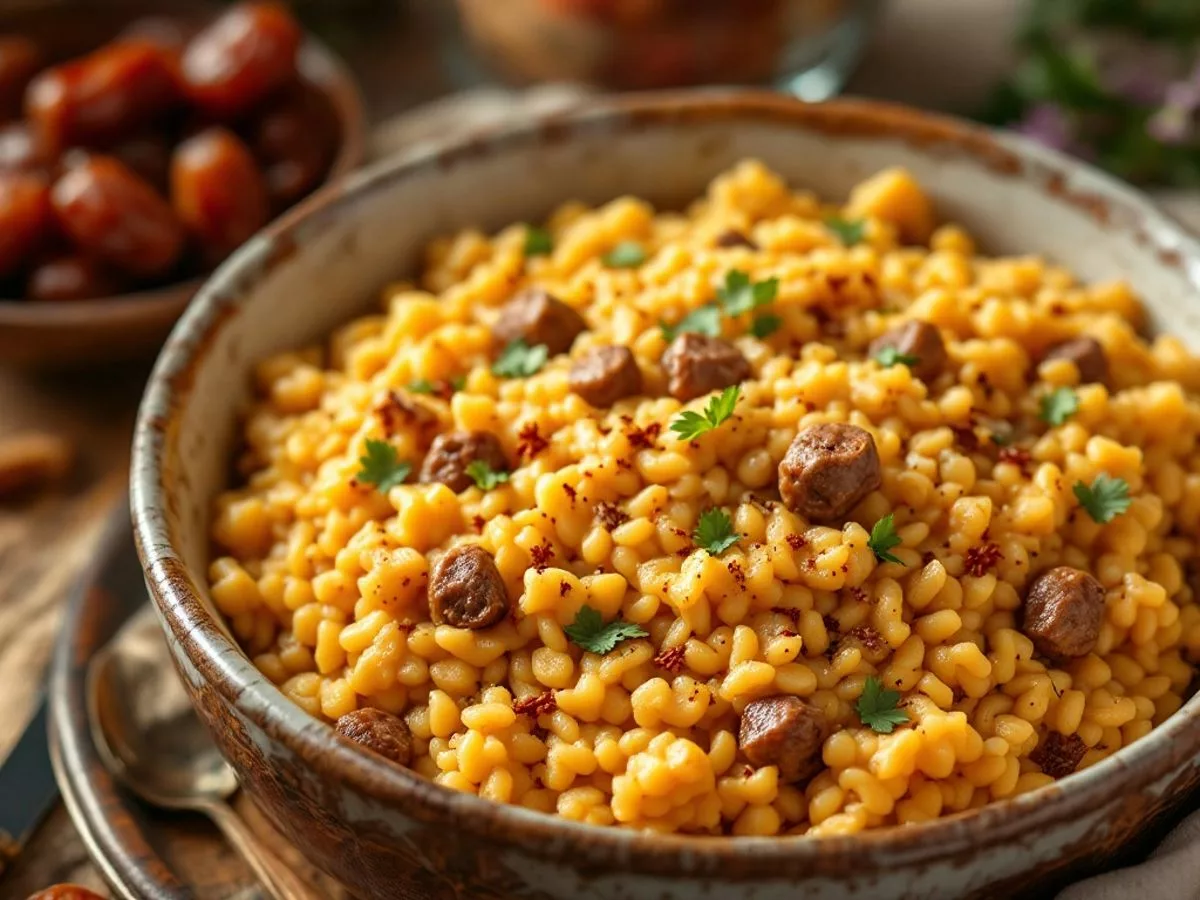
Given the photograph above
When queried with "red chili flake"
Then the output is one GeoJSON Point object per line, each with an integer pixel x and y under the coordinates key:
{"type": "Point", "coordinates": [564, 588]}
{"type": "Point", "coordinates": [542, 554]}
{"type": "Point", "coordinates": [643, 438]}
{"type": "Point", "coordinates": [966, 437]}
{"type": "Point", "coordinates": [793, 614]}
{"type": "Point", "coordinates": [1018, 456]}
{"type": "Point", "coordinates": [1059, 754]}
{"type": "Point", "coordinates": [610, 515]}
{"type": "Point", "coordinates": [478, 523]}
{"type": "Point", "coordinates": [738, 573]}
{"type": "Point", "coordinates": [570, 492]}
{"type": "Point", "coordinates": [981, 559]}
{"type": "Point", "coordinates": [623, 463]}
{"type": "Point", "coordinates": [787, 632]}
{"type": "Point", "coordinates": [796, 541]}
{"type": "Point", "coordinates": [871, 640]}
{"type": "Point", "coordinates": [537, 705]}
{"type": "Point", "coordinates": [395, 409]}
{"type": "Point", "coordinates": [671, 660]}
{"type": "Point", "coordinates": [530, 441]}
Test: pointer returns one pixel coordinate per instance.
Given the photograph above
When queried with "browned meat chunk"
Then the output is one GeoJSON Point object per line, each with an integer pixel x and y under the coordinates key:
{"type": "Point", "coordinates": [919, 340]}
{"type": "Point", "coordinates": [697, 365]}
{"type": "Point", "coordinates": [734, 238]}
{"type": "Point", "coordinates": [451, 453]}
{"type": "Point", "coordinates": [783, 731]}
{"type": "Point", "coordinates": [379, 732]}
{"type": "Point", "coordinates": [466, 590]}
{"type": "Point", "coordinates": [1063, 611]}
{"type": "Point", "coordinates": [1088, 356]}
{"type": "Point", "coordinates": [537, 317]}
{"type": "Point", "coordinates": [828, 469]}
{"type": "Point", "coordinates": [1059, 754]}
{"type": "Point", "coordinates": [604, 375]}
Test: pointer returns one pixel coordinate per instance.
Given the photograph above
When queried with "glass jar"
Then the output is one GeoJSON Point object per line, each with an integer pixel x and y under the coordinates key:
{"type": "Point", "coordinates": [807, 47]}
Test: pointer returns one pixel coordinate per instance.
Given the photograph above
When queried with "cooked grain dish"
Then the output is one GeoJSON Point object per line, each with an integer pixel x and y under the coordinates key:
{"type": "Point", "coordinates": [769, 517]}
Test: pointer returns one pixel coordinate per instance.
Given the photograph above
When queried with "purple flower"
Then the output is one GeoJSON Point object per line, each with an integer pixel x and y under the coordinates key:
{"type": "Point", "coordinates": [1174, 123]}
{"type": "Point", "coordinates": [1047, 124]}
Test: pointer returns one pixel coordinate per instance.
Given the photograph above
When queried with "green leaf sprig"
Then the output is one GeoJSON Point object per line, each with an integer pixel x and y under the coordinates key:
{"type": "Point", "coordinates": [1058, 405]}
{"type": "Point", "coordinates": [592, 633]}
{"type": "Point", "coordinates": [714, 532]}
{"type": "Point", "coordinates": [891, 356]}
{"type": "Point", "coordinates": [538, 241]}
{"type": "Point", "coordinates": [382, 466]}
{"type": "Point", "coordinates": [625, 255]}
{"type": "Point", "coordinates": [737, 296]}
{"type": "Point", "coordinates": [485, 477]}
{"type": "Point", "coordinates": [848, 231]}
{"type": "Point", "coordinates": [884, 538]}
{"type": "Point", "coordinates": [519, 360]}
{"type": "Point", "coordinates": [877, 708]}
{"type": "Point", "coordinates": [1104, 499]}
{"type": "Point", "coordinates": [690, 424]}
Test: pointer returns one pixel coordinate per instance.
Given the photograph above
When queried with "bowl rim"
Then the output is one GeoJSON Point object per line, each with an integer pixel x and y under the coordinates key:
{"type": "Point", "coordinates": [324, 70]}
{"type": "Point", "coordinates": [1129, 774]}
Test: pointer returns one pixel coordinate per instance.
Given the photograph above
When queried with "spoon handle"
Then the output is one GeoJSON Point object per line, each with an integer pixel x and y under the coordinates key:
{"type": "Point", "coordinates": [279, 881]}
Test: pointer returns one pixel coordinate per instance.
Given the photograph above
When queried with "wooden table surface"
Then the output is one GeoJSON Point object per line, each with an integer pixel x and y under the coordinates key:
{"type": "Point", "coordinates": [46, 541]}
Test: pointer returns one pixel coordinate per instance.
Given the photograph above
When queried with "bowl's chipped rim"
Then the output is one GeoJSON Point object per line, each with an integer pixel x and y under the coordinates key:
{"type": "Point", "coordinates": [1138, 776]}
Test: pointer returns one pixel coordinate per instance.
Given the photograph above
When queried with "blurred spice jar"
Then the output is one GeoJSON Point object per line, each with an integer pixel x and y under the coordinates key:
{"type": "Point", "coordinates": [807, 46]}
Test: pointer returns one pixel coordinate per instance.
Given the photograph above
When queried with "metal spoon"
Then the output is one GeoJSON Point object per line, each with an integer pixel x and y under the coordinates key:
{"type": "Point", "coordinates": [149, 737]}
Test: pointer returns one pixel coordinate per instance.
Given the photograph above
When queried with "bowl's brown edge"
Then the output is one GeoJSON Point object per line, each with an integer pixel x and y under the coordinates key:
{"type": "Point", "coordinates": [318, 64]}
{"type": "Point", "coordinates": [1129, 774]}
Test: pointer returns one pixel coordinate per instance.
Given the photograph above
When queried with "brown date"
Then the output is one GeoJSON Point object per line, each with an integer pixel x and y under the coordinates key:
{"type": "Point", "coordinates": [26, 220]}
{"type": "Point", "coordinates": [104, 96]}
{"type": "Point", "coordinates": [110, 213]}
{"type": "Point", "coordinates": [68, 278]}
{"type": "Point", "coordinates": [20, 60]}
{"type": "Point", "coordinates": [66, 892]}
{"type": "Point", "coordinates": [295, 138]}
{"type": "Point", "coordinates": [217, 191]}
{"type": "Point", "coordinates": [247, 53]}
{"type": "Point", "coordinates": [20, 150]}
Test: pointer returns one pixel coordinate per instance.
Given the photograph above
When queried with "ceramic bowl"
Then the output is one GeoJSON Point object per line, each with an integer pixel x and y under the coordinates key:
{"type": "Point", "coordinates": [386, 832]}
{"type": "Point", "coordinates": [59, 335]}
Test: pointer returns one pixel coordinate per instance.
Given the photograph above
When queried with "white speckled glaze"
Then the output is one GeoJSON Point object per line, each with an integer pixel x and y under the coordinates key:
{"type": "Point", "coordinates": [387, 833]}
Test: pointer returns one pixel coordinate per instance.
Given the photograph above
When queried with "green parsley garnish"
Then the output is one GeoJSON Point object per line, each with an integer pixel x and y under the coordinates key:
{"type": "Point", "coordinates": [591, 633]}
{"type": "Point", "coordinates": [689, 424]}
{"type": "Point", "coordinates": [441, 387]}
{"type": "Point", "coordinates": [538, 241]}
{"type": "Point", "coordinates": [877, 707]}
{"type": "Point", "coordinates": [484, 476]}
{"type": "Point", "coordinates": [422, 386]}
{"type": "Point", "coordinates": [1059, 405]}
{"type": "Point", "coordinates": [714, 532]}
{"type": "Point", "coordinates": [1105, 499]}
{"type": "Point", "coordinates": [737, 296]}
{"type": "Point", "coordinates": [765, 325]}
{"type": "Point", "coordinates": [626, 255]}
{"type": "Point", "coordinates": [740, 295]}
{"type": "Point", "coordinates": [848, 231]}
{"type": "Point", "coordinates": [519, 360]}
{"type": "Point", "coordinates": [382, 467]}
{"type": "Point", "coordinates": [705, 320]}
{"type": "Point", "coordinates": [890, 356]}
{"type": "Point", "coordinates": [884, 538]}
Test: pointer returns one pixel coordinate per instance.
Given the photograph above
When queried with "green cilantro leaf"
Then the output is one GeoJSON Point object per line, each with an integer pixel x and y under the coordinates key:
{"type": "Point", "coordinates": [765, 325]}
{"type": "Point", "coordinates": [1059, 405]}
{"type": "Point", "coordinates": [714, 532]}
{"type": "Point", "coordinates": [848, 231]}
{"type": "Point", "coordinates": [1105, 499]}
{"type": "Point", "coordinates": [625, 255]}
{"type": "Point", "coordinates": [382, 467]}
{"type": "Point", "coordinates": [740, 295]}
{"type": "Point", "coordinates": [890, 356]}
{"type": "Point", "coordinates": [519, 360]}
{"type": "Point", "coordinates": [421, 386]}
{"type": "Point", "coordinates": [877, 707]}
{"type": "Point", "coordinates": [538, 241]}
{"type": "Point", "coordinates": [884, 538]}
{"type": "Point", "coordinates": [458, 382]}
{"type": "Point", "coordinates": [484, 476]}
{"type": "Point", "coordinates": [439, 387]}
{"type": "Point", "coordinates": [706, 320]}
{"type": "Point", "coordinates": [591, 633]}
{"type": "Point", "coordinates": [689, 424]}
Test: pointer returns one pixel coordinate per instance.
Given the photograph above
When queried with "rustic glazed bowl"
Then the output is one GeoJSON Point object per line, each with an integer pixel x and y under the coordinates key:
{"type": "Point", "coordinates": [61, 335]}
{"type": "Point", "coordinates": [386, 832]}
